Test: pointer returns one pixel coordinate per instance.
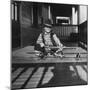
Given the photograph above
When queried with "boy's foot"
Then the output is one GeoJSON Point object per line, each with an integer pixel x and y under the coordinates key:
{"type": "Point", "coordinates": [37, 53]}
{"type": "Point", "coordinates": [42, 56]}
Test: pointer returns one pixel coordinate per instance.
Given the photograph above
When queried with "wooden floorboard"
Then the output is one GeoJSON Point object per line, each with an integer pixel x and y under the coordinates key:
{"type": "Point", "coordinates": [33, 82]}
{"type": "Point", "coordinates": [16, 73]}
{"type": "Point", "coordinates": [50, 60]}
{"type": "Point", "coordinates": [21, 80]}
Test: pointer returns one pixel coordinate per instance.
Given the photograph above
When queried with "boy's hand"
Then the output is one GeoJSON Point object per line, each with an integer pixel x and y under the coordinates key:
{"type": "Point", "coordinates": [47, 48]}
{"type": "Point", "coordinates": [42, 45]}
{"type": "Point", "coordinates": [60, 48]}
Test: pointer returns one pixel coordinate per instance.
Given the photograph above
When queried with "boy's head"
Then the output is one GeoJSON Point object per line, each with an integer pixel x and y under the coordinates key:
{"type": "Point", "coordinates": [47, 26]}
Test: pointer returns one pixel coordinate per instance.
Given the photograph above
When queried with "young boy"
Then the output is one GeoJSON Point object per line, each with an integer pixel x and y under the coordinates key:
{"type": "Point", "coordinates": [47, 39]}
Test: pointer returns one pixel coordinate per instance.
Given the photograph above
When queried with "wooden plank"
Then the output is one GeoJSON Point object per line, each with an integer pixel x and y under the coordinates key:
{"type": "Point", "coordinates": [69, 52]}
{"type": "Point", "coordinates": [53, 47]}
{"type": "Point", "coordinates": [77, 50]}
{"type": "Point", "coordinates": [73, 69]}
{"type": "Point", "coordinates": [48, 75]}
{"type": "Point", "coordinates": [69, 48]}
{"type": "Point", "coordinates": [27, 50]}
{"type": "Point", "coordinates": [33, 82]}
{"type": "Point", "coordinates": [82, 73]}
{"type": "Point", "coordinates": [21, 80]}
{"type": "Point", "coordinates": [16, 73]}
{"type": "Point", "coordinates": [35, 57]}
{"type": "Point", "coordinates": [86, 67]}
{"type": "Point", "coordinates": [49, 60]}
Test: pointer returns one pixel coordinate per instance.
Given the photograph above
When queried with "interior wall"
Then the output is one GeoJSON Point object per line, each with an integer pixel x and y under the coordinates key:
{"type": "Point", "coordinates": [27, 32]}
{"type": "Point", "coordinates": [83, 30]}
{"type": "Point", "coordinates": [83, 35]}
{"type": "Point", "coordinates": [25, 14]}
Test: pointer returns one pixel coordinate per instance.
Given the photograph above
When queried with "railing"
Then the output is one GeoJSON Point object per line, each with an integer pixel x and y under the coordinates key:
{"type": "Point", "coordinates": [65, 30]}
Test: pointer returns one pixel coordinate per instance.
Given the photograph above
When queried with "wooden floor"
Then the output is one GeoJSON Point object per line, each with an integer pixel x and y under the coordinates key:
{"type": "Point", "coordinates": [30, 72]}
{"type": "Point", "coordinates": [45, 76]}
{"type": "Point", "coordinates": [27, 55]}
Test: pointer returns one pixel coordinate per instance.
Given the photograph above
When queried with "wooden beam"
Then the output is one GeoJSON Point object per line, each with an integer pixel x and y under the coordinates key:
{"type": "Point", "coordinates": [33, 52]}
{"type": "Point", "coordinates": [49, 60]}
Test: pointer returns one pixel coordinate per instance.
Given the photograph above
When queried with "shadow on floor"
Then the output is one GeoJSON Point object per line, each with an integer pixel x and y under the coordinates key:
{"type": "Point", "coordinates": [63, 77]}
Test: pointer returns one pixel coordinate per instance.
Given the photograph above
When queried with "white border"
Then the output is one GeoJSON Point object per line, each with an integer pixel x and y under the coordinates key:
{"type": "Point", "coordinates": [5, 45]}
{"type": "Point", "coordinates": [61, 1]}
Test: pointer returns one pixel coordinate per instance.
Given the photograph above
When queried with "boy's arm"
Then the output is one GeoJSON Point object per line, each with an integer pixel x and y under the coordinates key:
{"type": "Point", "coordinates": [40, 41]}
{"type": "Point", "coordinates": [57, 41]}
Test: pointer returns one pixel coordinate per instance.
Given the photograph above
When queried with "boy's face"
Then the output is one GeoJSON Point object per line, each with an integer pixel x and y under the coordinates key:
{"type": "Point", "coordinates": [47, 29]}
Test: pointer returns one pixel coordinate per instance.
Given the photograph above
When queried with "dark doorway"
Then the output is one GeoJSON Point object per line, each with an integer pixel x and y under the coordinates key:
{"type": "Point", "coordinates": [16, 37]}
